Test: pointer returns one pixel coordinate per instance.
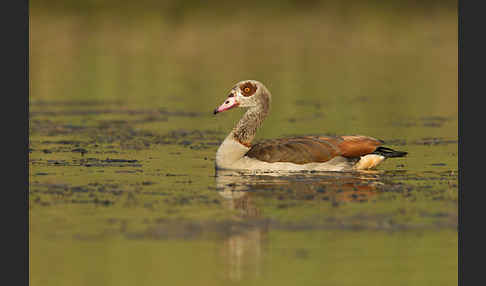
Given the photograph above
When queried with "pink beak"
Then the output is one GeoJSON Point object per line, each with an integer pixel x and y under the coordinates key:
{"type": "Point", "coordinates": [228, 104]}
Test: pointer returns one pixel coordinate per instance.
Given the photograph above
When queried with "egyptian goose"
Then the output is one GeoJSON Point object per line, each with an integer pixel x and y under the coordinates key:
{"type": "Point", "coordinates": [320, 153]}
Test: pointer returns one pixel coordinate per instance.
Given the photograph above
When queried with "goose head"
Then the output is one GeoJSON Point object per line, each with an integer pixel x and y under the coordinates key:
{"type": "Point", "coordinates": [246, 94]}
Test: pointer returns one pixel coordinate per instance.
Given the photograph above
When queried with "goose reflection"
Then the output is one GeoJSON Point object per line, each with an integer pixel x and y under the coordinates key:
{"type": "Point", "coordinates": [242, 251]}
{"type": "Point", "coordinates": [244, 192]}
{"type": "Point", "coordinates": [337, 186]}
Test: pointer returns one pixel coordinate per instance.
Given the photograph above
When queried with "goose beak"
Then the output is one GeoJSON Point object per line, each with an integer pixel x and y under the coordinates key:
{"type": "Point", "coordinates": [228, 104]}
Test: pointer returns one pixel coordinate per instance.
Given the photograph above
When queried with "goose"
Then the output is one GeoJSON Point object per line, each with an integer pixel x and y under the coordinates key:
{"type": "Point", "coordinates": [303, 153]}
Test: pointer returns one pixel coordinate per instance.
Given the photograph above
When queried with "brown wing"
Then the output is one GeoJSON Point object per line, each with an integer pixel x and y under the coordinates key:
{"type": "Point", "coordinates": [309, 149]}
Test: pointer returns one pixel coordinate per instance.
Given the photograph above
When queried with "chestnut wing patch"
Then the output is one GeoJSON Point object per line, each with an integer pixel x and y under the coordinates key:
{"type": "Point", "coordinates": [357, 145]}
{"type": "Point", "coordinates": [312, 149]}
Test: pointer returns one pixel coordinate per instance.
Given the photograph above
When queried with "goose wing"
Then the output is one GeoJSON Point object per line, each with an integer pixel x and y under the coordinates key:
{"type": "Point", "coordinates": [311, 149]}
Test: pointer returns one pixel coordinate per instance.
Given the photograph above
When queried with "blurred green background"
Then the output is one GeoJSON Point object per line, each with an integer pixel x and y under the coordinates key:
{"type": "Point", "coordinates": [138, 80]}
{"type": "Point", "coordinates": [154, 53]}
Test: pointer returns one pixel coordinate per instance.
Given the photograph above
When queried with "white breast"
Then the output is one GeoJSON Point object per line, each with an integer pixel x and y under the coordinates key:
{"type": "Point", "coordinates": [229, 153]}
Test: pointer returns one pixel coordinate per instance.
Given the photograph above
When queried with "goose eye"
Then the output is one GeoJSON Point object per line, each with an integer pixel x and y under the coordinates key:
{"type": "Point", "coordinates": [248, 89]}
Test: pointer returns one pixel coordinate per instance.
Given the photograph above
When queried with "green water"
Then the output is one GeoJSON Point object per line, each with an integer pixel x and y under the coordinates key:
{"type": "Point", "coordinates": [123, 189]}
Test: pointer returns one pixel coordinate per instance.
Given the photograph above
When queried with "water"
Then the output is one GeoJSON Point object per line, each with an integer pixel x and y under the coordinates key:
{"type": "Point", "coordinates": [123, 189]}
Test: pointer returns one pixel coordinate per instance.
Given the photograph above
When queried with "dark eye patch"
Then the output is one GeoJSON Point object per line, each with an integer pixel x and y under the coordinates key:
{"type": "Point", "coordinates": [248, 89]}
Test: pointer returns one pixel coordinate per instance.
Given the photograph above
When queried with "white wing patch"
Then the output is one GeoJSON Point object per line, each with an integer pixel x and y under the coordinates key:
{"type": "Point", "coordinates": [368, 161]}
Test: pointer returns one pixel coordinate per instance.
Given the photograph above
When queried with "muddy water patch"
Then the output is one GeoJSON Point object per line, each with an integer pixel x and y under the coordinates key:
{"type": "Point", "coordinates": [125, 135]}
{"type": "Point", "coordinates": [160, 229]}
{"type": "Point", "coordinates": [424, 122]}
{"type": "Point", "coordinates": [90, 162]}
